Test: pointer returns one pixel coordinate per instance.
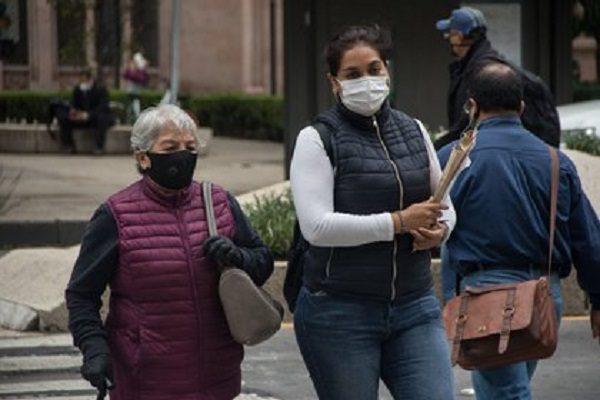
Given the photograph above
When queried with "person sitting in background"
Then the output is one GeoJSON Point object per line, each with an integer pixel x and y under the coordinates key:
{"type": "Point", "coordinates": [89, 109]}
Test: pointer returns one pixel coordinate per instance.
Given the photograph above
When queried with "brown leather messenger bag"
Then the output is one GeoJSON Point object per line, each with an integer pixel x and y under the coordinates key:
{"type": "Point", "coordinates": [493, 326]}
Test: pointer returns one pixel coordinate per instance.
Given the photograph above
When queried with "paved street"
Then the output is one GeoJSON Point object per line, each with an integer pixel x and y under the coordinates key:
{"type": "Point", "coordinates": [46, 366]}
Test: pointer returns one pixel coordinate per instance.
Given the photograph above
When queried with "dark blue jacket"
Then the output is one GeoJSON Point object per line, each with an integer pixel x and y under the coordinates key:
{"type": "Point", "coordinates": [366, 183]}
{"type": "Point", "coordinates": [502, 203]}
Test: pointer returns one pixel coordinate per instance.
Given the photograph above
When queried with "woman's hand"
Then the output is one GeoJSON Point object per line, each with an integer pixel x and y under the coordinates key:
{"type": "Point", "coordinates": [223, 251]}
{"type": "Point", "coordinates": [427, 238]}
{"type": "Point", "coordinates": [420, 215]}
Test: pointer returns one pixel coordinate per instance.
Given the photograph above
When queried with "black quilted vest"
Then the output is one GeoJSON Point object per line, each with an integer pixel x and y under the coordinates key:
{"type": "Point", "coordinates": [366, 183]}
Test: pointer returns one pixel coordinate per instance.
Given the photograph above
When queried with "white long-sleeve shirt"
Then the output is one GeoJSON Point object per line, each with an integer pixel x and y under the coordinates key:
{"type": "Point", "coordinates": [312, 183]}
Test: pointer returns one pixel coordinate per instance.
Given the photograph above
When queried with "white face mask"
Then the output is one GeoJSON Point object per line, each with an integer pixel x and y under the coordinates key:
{"type": "Point", "coordinates": [85, 86]}
{"type": "Point", "coordinates": [364, 95]}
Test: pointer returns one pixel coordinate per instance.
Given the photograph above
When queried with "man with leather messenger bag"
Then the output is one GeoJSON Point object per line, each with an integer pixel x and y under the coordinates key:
{"type": "Point", "coordinates": [513, 242]}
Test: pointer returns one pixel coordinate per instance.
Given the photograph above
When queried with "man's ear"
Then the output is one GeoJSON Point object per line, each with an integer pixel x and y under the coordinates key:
{"type": "Point", "coordinates": [473, 109]}
{"type": "Point", "coordinates": [522, 110]}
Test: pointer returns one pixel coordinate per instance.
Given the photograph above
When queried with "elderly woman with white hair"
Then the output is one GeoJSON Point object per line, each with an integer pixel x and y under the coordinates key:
{"type": "Point", "coordinates": [166, 336]}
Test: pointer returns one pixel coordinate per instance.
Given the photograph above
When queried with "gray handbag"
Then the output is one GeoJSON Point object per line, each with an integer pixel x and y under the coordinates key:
{"type": "Point", "coordinates": [252, 314]}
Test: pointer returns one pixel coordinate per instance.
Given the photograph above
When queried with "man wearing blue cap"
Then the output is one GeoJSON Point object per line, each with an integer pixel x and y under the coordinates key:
{"type": "Point", "coordinates": [465, 31]}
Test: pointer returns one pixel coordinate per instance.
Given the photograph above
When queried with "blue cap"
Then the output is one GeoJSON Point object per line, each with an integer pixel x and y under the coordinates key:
{"type": "Point", "coordinates": [463, 19]}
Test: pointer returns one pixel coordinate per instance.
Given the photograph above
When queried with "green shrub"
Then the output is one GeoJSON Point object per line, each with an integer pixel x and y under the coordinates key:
{"type": "Point", "coordinates": [245, 116]}
{"type": "Point", "coordinates": [582, 141]}
{"type": "Point", "coordinates": [273, 218]}
{"type": "Point", "coordinates": [29, 106]}
{"type": "Point", "coordinates": [238, 115]}
{"type": "Point", "coordinates": [33, 106]}
{"type": "Point", "coordinates": [586, 91]}
{"type": "Point", "coordinates": [147, 99]}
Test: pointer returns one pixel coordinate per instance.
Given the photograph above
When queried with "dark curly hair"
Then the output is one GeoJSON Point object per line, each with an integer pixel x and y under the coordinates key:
{"type": "Point", "coordinates": [372, 35]}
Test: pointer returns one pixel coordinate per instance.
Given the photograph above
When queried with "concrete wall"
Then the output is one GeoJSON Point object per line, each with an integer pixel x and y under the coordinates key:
{"type": "Point", "coordinates": [584, 53]}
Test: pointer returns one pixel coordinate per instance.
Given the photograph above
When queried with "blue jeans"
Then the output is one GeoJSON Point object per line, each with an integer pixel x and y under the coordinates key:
{"type": "Point", "coordinates": [512, 381]}
{"type": "Point", "coordinates": [349, 345]}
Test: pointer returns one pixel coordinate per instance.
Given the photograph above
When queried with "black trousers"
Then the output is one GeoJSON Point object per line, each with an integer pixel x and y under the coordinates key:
{"type": "Point", "coordinates": [99, 123]}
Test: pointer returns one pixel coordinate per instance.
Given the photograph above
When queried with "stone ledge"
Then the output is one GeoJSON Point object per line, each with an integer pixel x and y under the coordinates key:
{"type": "Point", "coordinates": [34, 138]}
{"type": "Point", "coordinates": [41, 233]}
{"type": "Point", "coordinates": [33, 283]}
{"type": "Point", "coordinates": [35, 280]}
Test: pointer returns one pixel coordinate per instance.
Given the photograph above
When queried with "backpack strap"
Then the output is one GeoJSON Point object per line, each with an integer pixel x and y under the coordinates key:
{"type": "Point", "coordinates": [325, 134]}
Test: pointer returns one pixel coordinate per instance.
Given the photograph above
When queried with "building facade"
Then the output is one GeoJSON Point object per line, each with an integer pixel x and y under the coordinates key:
{"type": "Point", "coordinates": [224, 45]}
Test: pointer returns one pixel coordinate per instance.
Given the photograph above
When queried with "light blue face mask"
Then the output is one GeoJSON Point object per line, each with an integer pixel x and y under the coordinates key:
{"type": "Point", "coordinates": [365, 95]}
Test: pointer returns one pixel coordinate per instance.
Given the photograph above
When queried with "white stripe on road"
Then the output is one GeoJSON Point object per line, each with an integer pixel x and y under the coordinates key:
{"type": "Point", "coordinates": [45, 387]}
{"type": "Point", "coordinates": [22, 365]}
{"type": "Point", "coordinates": [57, 340]}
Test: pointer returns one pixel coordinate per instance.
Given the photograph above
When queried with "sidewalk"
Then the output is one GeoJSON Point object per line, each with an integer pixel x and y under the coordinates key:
{"type": "Point", "coordinates": [55, 195]}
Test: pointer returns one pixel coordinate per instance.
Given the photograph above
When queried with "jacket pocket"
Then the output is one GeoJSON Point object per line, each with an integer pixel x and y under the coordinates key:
{"type": "Point", "coordinates": [125, 348]}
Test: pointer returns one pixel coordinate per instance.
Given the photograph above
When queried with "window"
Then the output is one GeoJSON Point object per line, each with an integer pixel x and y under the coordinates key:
{"type": "Point", "coordinates": [14, 48]}
{"type": "Point", "coordinates": [108, 31]}
{"type": "Point", "coordinates": [70, 20]}
{"type": "Point", "coordinates": [144, 29]}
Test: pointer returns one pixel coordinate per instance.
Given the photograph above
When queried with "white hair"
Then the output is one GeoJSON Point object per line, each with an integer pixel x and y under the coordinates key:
{"type": "Point", "coordinates": [153, 119]}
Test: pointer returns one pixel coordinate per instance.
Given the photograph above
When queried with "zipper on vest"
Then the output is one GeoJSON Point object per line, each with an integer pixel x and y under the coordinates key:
{"type": "Point", "coordinates": [401, 188]}
{"type": "Point", "coordinates": [328, 266]}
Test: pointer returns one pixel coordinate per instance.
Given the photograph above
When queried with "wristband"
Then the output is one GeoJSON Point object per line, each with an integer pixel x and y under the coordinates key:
{"type": "Point", "coordinates": [397, 222]}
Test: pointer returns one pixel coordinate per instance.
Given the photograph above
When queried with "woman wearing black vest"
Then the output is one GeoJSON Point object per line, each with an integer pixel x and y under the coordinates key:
{"type": "Point", "coordinates": [367, 309]}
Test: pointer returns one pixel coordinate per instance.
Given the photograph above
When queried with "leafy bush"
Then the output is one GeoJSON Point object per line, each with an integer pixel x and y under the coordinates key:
{"type": "Point", "coordinates": [245, 116]}
{"type": "Point", "coordinates": [582, 141]}
{"type": "Point", "coordinates": [29, 106]}
{"type": "Point", "coordinates": [273, 218]}
{"type": "Point", "coordinates": [33, 106]}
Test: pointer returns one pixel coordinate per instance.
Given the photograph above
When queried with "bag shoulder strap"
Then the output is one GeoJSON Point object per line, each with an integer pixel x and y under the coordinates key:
{"type": "Point", "coordinates": [325, 135]}
{"type": "Point", "coordinates": [209, 208]}
{"type": "Point", "coordinates": [553, 202]}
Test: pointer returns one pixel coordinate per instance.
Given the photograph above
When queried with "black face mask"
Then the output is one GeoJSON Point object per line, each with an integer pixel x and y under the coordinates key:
{"type": "Point", "coordinates": [172, 170]}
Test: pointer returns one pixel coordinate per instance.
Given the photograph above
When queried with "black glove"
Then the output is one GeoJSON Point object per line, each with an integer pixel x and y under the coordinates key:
{"type": "Point", "coordinates": [98, 371]}
{"type": "Point", "coordinates": [223, 251]}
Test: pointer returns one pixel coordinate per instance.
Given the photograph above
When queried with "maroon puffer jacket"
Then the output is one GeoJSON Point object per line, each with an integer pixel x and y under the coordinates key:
{"type": "Point", "coordinates": [168, 336]}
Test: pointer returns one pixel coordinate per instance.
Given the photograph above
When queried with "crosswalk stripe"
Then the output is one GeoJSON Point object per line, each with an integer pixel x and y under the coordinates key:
{"type": "Point", "coordinates": [28, 364]}
{"type": "Point", "coordinates": [58, 340]}
{"type": "Point", "coordinates": [47, 367]}
{"type": "Point", "coordinates": [47, 388]}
